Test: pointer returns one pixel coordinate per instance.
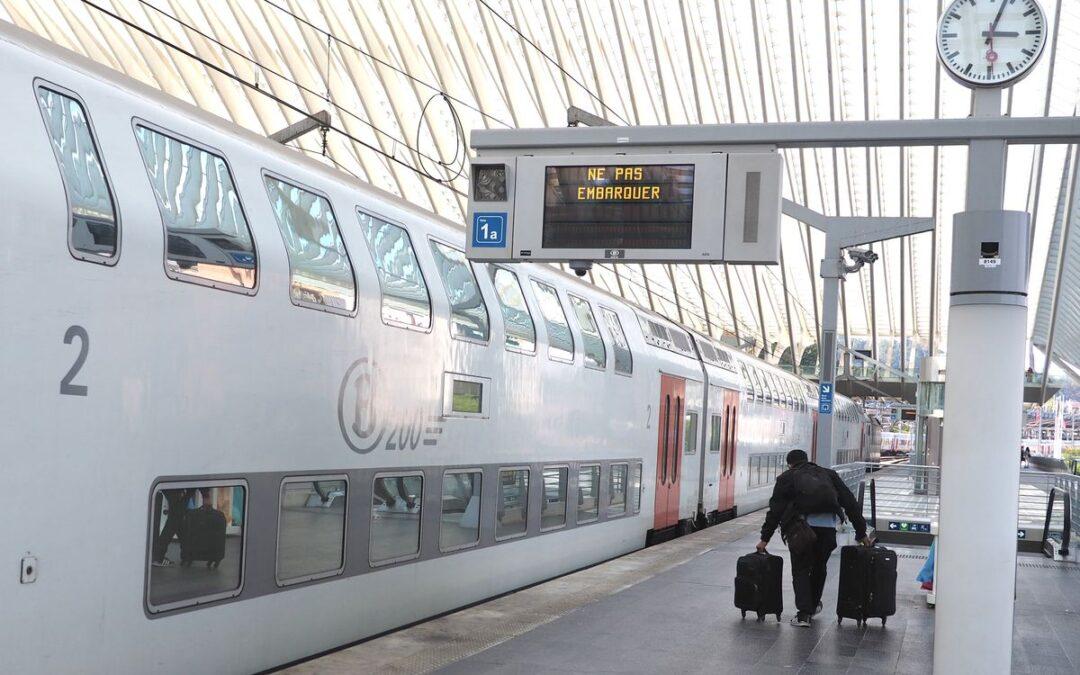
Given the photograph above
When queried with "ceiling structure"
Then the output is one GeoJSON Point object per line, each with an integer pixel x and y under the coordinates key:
{"type": "Point", "coordinates": [405, 80]}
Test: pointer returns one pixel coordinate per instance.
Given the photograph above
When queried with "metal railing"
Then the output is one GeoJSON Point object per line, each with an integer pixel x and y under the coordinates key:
{"type": "Point", "coordinates": [908, 491]}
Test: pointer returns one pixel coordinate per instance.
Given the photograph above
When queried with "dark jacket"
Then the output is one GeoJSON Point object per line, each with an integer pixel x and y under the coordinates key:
{"type": "Point", "coordinates": [783, 498]}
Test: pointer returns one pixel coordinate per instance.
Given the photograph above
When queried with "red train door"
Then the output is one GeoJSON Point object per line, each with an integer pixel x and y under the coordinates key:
{"type": "Point", "coordinates": [669, 451]}
{"type": "Point", "coordinates": [727, 451]}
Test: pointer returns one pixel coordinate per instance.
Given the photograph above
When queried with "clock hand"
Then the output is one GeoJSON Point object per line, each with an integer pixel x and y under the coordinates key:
{"type": "Point", "coordinates": [995, 22]}
{"type": "Point", "coordinates": [1000, 33]}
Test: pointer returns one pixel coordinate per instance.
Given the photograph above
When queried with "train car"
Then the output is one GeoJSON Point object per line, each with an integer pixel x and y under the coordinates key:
{"type": "Point", "coordinates": [259, 409]}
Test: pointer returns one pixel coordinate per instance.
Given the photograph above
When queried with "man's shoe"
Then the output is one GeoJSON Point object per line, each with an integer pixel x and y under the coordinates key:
{"type": "Point", "coordinates": [817, 610]}
{"type": "Point", "coordinates": [801, 620]}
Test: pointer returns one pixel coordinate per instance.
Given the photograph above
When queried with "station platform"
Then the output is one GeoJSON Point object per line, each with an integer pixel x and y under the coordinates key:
{"type": "Point", "coordinates": [668, 608]}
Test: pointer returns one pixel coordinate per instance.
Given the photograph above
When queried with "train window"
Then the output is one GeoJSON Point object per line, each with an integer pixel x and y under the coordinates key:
{"type": "Point", "coordinates": [197, 543]}
{"type": "Point", "coordinates": [761, 391]}
{"type": "Point", "coordinates": [311, 528]}
{"type": "Point", "coordinates": [396, 502]}
{"type": "Point", "coordinates": [94, 230]}
{"type": "Point", "coordinates": [320, 273]}
{"type": "Point", "coordinates": [459, 525]}
{"type": "Point", "coordinates": [553, 505]}
{"type": "Point", "coordinates": [512, 516]}
{"type": "Point", "coordinates": [624, 360]}
{"type": "Point", "coordinates": [517, 321]}
{"type": "Point", "coordinates": [405, 300]}
{"type": "Point", "coordinates": [617, 490]}
{"type": "Point", "coordinates": [468, 313]}
{"type": "Point", "coordinates": [749, 388]}
{"type": "Point", "coordinates": [593, 344]}
{"type": "Point", "coordinates": [588, 493]}
{"type": "Point", "coordinates": [560, 339]}
{"type": "Point", "coordinates": [715, 429]}
{"type": "Point", "coordinates": [635, 489]}
{"type": "Point", "coordinates": [207, 239]}
{"type": "Point", "coordinates": [465, 395]}
{"type": "Point", "coordinates": [690, 433]}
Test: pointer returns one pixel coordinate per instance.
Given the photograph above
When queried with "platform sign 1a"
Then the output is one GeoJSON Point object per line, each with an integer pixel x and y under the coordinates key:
{"type": "Point", "coordinates": [489, 230]}
{"type": "Point", "coordinates": [825, 398]}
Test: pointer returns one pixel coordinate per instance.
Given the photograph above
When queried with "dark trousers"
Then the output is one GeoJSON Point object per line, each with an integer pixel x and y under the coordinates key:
{"type": "Point", "coordinates": [808, 571]}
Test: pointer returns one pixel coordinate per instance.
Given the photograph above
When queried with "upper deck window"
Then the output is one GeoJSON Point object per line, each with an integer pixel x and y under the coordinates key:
{"type": "Point", "coordinates": [207, 236]}
{"type": "Point", "coordinates": [560, 339]}
{"type": "Point", "coordinates": [517, 321]}
{"type": "Point", "coordinates": [93, 232]}
{"type": "Point", "coordinates": [321, 276]}
{"type": "Point", "coordinates": [468, 313]}
{"type": "Point", "coordinates": [624, 359]}
{"type": "Point", "coordinates": [405, 299]}
{"type": "Point", "coordinates": [595, 353]}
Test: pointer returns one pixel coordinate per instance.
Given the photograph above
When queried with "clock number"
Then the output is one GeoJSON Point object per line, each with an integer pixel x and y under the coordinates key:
{"type": "Point", "coordinates": [66, 387]}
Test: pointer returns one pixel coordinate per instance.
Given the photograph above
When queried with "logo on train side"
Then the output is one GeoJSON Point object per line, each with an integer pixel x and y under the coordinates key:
{"type": "Point", "coordinates": [359, 421]}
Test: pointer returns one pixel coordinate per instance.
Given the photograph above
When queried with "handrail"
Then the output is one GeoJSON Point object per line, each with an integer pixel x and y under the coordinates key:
{"type": "Point", "coordinates": [1066, 526]}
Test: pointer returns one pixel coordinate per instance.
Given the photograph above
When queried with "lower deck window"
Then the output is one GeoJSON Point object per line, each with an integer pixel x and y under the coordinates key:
{"type": "Point", "coordinates": [395, 518]}
{"type": "Point", "coordinates": [311, 528]}
{"type": "Point", "coordinates": [617, 490]}
{"type": "Point", "coordinates": [459, 526]}
{"type": "Point", "coordinates": [553, 506]}
{"type": "Point", "coordinates": [197, 543]}
{"type": "Point", "coordinates": [588, 501]}
{"type": "Point", "coordinates": [512, 516]}
{"type": "Point", "coordinates": [635, 489]}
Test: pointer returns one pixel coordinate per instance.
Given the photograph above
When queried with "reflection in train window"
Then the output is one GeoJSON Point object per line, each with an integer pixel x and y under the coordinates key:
{"type": "Point", "coordinates": [512, 516]}
{"type": "Point", "coordinates": [635, 488]}
{"type": "Point", "coordinates": [617, 490]}
{"type": "Point", "coordinates": [311, 528]}
{"type": "Point", "coordinates": [624, 360]}
{"type": "Point", "coordinates": [560, 339]}
{"type": "Point", "coordinates": [690, 433]}
{"type": "Point", "coordinates": [197, 543]}
{"type": "Point", "coordinates": [517, 322]}
{"type": "Point", "coordinates": [748, 383]}
{"type": "Point", "coordinates": [715, 428]}
{"type": "Point", "coordinates": [395, 518]}
{"type": "Point", "coordinates": [588, 493]}
{"type": "Point", "coordinates": [320, 274]}
{"type": "Point", "coordinates": [468, 313]}
{"type": "Point", "coordinates": [459, 525]}
{"type": "Point", "coordinates": [207, 235]}
{"type": "Point", "coordinates": [553, 506]}
{"type": "Point", "coordinates": [405, 299]}
{"type": "Point", "coordinates": [93, 232]}
{"type": "Point", "coordinates": [593, 344]}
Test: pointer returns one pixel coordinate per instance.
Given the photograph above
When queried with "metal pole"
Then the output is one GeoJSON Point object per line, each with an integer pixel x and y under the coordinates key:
{"type": "Point", "coordinates": [983, 421]}
{"type": "Point", "coordinates": [831, 274]}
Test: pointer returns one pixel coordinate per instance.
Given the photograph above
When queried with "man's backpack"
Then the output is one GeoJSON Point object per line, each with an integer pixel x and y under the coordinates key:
{"type": "Point", "coordinates": [814, 491]}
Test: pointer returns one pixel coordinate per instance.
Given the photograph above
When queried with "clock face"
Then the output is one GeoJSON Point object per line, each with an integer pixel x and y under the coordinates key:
{"type": "Point", "coordinates": [991, 43]}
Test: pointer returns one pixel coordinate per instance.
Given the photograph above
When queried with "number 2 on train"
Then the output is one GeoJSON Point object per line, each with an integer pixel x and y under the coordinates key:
{"type": "Point", "coordinates": [66, 386]}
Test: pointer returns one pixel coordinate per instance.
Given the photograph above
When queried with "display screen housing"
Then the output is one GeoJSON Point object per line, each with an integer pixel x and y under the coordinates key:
{"type": "Point", "coordinates": [618, 206]}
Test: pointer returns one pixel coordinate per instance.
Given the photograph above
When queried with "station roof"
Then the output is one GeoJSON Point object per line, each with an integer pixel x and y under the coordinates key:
{"type": "Point", "coordinates": [405, 80]}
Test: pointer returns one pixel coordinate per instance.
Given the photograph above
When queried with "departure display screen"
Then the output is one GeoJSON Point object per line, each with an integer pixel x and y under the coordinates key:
{"type": "Point", "coordinates": [624, 206]}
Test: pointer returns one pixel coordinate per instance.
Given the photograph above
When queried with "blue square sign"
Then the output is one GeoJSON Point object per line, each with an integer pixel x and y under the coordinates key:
{"type": "Point", "coordinates": [825, 398]}
{"type": "Point", "coordinates": [489, 230]}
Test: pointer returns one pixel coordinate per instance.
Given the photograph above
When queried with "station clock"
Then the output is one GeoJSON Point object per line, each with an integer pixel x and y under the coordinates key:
{"type": "Point", "coordinates": [991, 43]}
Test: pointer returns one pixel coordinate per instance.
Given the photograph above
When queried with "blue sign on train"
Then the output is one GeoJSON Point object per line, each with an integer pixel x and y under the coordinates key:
{"type": "Point", "coordinates": [825, 398]}
{"type": "Point", "coordinates": [489, 229]}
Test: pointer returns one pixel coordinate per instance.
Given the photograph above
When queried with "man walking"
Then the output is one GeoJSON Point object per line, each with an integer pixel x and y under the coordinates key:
{"type": "Point", "coordinates": [806, 502]}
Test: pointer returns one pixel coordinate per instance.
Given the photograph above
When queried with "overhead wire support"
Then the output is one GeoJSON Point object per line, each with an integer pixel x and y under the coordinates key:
{"type": "Point", "coordinates": [254, 86]}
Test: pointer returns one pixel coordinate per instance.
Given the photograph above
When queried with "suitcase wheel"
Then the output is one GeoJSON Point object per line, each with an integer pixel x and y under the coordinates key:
{"type": "Point", "coordinates": [778, 617]}
{"type": "Point", "coordinates": [744, 614]}
{"type": "Point", "coordinates": [839, 619]}
{"type": "Point", "coordinates": [761, 618]}
{"type": "Point", "coordinates": [883, 620]}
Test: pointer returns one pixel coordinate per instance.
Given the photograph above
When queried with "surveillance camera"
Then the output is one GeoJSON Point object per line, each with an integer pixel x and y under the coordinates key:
{"type": "Point", "coordinates": [580, 267]}
{"type": "Point", "coordinates": [862, 256]}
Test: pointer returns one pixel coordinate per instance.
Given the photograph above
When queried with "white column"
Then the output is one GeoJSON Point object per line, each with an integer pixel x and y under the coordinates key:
{"type": "Point", "coordinates": [980, 472]}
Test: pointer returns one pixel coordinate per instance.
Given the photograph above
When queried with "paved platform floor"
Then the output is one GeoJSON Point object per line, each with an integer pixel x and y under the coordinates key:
{"type": "Point", "coordinates": [679, 618]}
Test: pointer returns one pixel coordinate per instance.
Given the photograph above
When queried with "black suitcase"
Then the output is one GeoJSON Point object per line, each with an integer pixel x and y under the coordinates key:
{"type": "Point", "coordinates": [203, 538]}
{"type": "Point", "coordinates": [867, 584]}
{"type": "Point", "coordinates": [758, 579]}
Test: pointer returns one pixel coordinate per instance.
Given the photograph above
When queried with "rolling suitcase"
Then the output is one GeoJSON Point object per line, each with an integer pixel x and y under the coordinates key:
{"type": "Point", "coordinates": [203, 538]}
{"type": "Point", "coordinates": [758, 578]}
{"type": "Point", "coordinates": [867, 584]}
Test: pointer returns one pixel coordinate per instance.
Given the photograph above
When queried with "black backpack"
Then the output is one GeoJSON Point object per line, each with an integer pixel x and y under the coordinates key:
{"type": "Point", "coordinates": [814, 491]}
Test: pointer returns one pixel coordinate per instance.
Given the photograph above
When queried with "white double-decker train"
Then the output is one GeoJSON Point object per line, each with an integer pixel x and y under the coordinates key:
{"type": "Point", "coordinates": [256, 409]}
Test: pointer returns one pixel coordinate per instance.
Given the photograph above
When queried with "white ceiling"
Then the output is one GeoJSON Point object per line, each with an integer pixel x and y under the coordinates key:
{"type": "Point", "coordinates": [634, 62]}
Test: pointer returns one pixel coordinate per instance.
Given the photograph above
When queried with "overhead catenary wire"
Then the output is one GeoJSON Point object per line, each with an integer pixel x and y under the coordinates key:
{"type": "Point", "coordinates": [387, 64]}
{"type": "Point", "coordinates": [325, 96]}
{"type": "Point", "coordinates": [218, 69]}
{"type": "Point", "coordinates": [550, 59]}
